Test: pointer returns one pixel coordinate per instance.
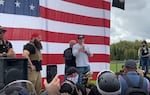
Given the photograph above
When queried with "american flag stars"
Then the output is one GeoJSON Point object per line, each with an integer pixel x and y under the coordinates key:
{"type": "Point", "coordinates": [17, 3]}
{"type": "Point", "coordinates": [21, 7]}
{"type": "Point", "coordinates": [2, 2]}
{"type": "Point", "coordinates": [32, 7]}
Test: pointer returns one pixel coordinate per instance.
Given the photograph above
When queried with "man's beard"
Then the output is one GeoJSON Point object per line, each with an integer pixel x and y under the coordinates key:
{"type": "Point", "coordinates": [38, 44]}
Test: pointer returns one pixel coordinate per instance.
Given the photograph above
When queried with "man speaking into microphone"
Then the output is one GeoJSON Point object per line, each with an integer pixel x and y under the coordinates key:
{"type": "Point", "coordinates": [82, 52]}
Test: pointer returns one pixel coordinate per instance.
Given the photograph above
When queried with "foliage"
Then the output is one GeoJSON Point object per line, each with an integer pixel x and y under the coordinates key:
{"type": "Point", "coordinates": [124, 50]}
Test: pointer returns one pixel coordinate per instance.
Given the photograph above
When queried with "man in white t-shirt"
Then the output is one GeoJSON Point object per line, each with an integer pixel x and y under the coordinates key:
{"type": "Point", "coordinates": [82, 52]}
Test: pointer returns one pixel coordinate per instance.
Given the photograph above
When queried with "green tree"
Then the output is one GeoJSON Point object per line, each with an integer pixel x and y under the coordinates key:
{"type": "Point", "coordinates": [125, 50]}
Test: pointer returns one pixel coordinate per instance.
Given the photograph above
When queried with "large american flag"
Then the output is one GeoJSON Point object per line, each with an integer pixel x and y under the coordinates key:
{"type": "Point", "coordinates": [59, 21]}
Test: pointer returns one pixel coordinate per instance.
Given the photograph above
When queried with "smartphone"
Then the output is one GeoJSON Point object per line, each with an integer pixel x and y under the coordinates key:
{"type": "Point", "coordinates": [51, 72]}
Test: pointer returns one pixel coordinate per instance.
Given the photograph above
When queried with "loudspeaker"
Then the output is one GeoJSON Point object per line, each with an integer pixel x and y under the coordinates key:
{"type": "Point", "coordinates": [51, 72]}
{"type": "Point", "coordinates": [12, 69]}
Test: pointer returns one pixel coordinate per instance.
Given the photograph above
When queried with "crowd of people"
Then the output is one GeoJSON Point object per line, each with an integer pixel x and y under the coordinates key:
{"type": "Point", "coordinates": [107, 82]}
{"type": "Point", "coordinates": [130, 82]}
{"type": "Point", "coordinates": [77, 70]}
{"type": "Point", "coordinates": [32, 51]}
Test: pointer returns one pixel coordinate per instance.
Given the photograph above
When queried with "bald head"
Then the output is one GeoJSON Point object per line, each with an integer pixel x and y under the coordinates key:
{"type": "Point", "coordinates": [72, 42]}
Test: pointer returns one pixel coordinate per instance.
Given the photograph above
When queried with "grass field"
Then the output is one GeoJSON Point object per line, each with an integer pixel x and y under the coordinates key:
{"type": "Point", "coordinates": [116, 66]}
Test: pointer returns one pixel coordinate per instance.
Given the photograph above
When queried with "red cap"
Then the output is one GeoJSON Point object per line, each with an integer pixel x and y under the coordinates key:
{"type": "Point", "coordinates": [36, 34]}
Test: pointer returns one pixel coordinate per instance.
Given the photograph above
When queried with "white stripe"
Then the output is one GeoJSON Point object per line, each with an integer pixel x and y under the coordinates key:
{"type": "Point", "coordinates": [108, 0]}
{"type": "Point", "coordinates": [20, 21]}
{"type": "Point", "coordinates": [78, 29]}
{"type": "Point", "coordinates": [43, 71]}
{"type": "Point", "coordinates": [95, 67]}
{"type": "Point", "coordinates": [58, 48]}
{"type": "Point", "coordinates": [17, 21]}
{"type": "Point", "coordinates": [75, 8]}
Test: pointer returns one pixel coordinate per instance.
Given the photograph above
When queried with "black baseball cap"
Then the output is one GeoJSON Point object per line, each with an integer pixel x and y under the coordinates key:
{"type": "Point", "coordinates": [81, 36]}
{"type": "Point", "coordinates": [71, 70]}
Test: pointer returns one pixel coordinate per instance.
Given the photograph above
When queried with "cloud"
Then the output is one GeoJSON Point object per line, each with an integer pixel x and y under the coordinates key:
{"type": "Point", "coordinates": [131, 24]}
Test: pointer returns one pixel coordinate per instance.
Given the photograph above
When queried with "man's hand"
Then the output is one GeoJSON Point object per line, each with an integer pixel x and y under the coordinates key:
{"type": "Point", "coordinates": [53, 87]}
{"type": "Point", "coordinates": [81, 49]}
{"type": "Point", "coordinates": [32, 67]}
{"type": "Point", "coordinates": [11, 53]}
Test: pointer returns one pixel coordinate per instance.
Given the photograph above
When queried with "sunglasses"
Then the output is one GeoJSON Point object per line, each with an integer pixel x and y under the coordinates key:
{"type": "Point", "coordinates": [2, 31]}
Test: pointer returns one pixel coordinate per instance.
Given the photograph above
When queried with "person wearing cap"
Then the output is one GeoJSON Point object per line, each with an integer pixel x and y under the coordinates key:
{"type": "Point", "coordinates": [70, 86]}
{"type": "Point", "coordinates": [82, 52]}
{"type": "Point", "coordinates": [32, 51]}
{"type": "Point", "coordinates": [130, 70]}
{"type": "Point", "coordinates": [6, 48]}
{"type": "Point", "coordinates": [68, 56]}
{"type": "Point", "coordinates": [72, 74]}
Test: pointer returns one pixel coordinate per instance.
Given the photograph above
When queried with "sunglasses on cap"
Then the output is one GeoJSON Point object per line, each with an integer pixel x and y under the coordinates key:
{"type": "Point", "coordinates": [2, 31]}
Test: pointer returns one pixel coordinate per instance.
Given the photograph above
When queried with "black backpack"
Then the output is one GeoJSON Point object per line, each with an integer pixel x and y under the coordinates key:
{"type": "Point", "coordinates": [135, 90]}
{"type": "Point", "coordinates": [68, 87]}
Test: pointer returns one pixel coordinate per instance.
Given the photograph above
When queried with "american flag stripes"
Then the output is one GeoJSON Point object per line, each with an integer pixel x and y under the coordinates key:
{"type": "Point", "coordinates": [59, 21]}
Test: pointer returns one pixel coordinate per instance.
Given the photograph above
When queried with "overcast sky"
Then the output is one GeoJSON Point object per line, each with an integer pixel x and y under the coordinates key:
{"type": "Point", "coordinates": [131, 24]}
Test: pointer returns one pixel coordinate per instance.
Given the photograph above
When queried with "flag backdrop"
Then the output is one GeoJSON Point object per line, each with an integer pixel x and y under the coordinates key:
{"type": "Point", "coordinates": [59, 21]}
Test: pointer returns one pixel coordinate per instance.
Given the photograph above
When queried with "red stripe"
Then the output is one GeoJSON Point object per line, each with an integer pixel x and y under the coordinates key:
{"type": "Point", "coordinates": [90, 3]}
{"type": "Point", "coordinates": [21, 34]}
{"type": "Point", "coordinates": [94, 75]}
{"type": "Point", "coordinates": [73, 18]}
{"type": "Point", "coordinates": [100, 58]}
{"type": "Point", "coordinates": [61, 77]}
{"type": "Point", "coordinates": [43, 87]}
{"type": "Point", "coordinates": [58, 58]}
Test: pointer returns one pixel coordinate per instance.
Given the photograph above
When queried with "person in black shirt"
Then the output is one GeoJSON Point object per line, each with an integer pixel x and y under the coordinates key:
{"type": "Point", "coordinates": [6, 48]}
{"type": "Point", "coordinates": [32, 51]}
{"type": "Point", "coordinates": [143, 54]}
{"type": "Point", "coordinates": [68, 56]}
